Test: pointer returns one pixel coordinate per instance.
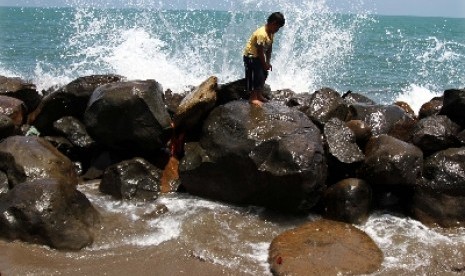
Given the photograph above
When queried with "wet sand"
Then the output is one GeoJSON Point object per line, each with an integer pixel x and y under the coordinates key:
{"type": "Point", "coordinates": [169, 258]}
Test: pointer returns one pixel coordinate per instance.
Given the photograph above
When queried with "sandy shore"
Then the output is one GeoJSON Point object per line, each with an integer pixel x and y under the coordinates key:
{"type": "Point", "coordinates": [169, 258]}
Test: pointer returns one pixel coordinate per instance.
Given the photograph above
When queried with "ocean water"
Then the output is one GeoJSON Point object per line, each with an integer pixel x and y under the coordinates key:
{"type": "Point", "coordinates": [387, 58]}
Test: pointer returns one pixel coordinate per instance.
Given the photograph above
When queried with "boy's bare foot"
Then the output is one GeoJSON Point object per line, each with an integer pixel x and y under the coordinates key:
{"type": "Point", "coordinates": [256, 102]}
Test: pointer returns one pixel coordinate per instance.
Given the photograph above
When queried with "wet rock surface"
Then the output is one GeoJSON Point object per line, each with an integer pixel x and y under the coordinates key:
{"type": "Point", "coordinates": [50, 212]}
{"type": "Point", "coordinates": [278, 152]}
{"type": "Point", "coordinates": [324, 247]}
{"type": "Point", "coordinates": [132, 179]}
{"type": "Point", "coordinates": [129, 116]}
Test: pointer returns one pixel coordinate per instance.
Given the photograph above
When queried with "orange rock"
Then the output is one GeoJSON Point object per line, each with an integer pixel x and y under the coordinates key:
{"type": "Point", "coordinates": [324, 247]}
{"type": "Point", "coordinates": [170, 176]}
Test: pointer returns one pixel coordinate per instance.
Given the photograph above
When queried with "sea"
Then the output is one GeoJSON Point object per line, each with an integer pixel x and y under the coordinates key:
{"type": "Point", "coordinates": [387, 58]}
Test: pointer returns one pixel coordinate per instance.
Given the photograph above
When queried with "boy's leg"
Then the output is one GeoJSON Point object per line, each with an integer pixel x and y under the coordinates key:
{"type": "Point", "coordinates": [259, 77]}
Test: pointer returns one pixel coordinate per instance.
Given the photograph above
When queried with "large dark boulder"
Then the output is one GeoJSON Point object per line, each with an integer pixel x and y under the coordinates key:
{"type": "Point", "coordinates": [380, 118]}
{"type": "Point", "coordinates": [454, 106]}
{"type": "Point", "coordinates": [69, 100]}
{"type": "Point", "coordinates": [440, 197]}
{"type": "Point", "coordinates": [390, 161]}
{"type": "Point", "coordinates": [435, 133]}
{"type": "Point", "coordinates": [349, 201]}
{"type": "Point", "coordinates": [129, 116]}
{"type": "Point", "coordinates": [325, 104]}
{"type": "Point", "coordinates": [21, 90]}
{"type": "Point", "coordinates": [271, 156]}
{"type": "Point", "coordinates": [39, 159]}
{"type": "Point", "coordinates": [324, 247]}
{"type": "Point", "coordinates": [50, 212]}
{"type": "Point", "coordinates": [132, 179]}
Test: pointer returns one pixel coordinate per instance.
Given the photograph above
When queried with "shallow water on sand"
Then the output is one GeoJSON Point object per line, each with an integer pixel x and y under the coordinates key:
{"type": "Point", "coordinates": [199, 237]}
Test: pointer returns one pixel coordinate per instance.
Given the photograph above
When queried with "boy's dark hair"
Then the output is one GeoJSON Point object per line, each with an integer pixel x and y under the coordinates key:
{"type": "Point", "coordinates": [278, 18]}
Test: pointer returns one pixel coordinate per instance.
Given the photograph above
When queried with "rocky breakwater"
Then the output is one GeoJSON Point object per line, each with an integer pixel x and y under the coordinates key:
{"type": "Point", "coordinates": [341, 156]}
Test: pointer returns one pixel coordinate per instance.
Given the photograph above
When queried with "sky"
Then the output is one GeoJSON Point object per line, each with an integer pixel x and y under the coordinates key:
{"type": "Point", "coordinates": [442, 8]}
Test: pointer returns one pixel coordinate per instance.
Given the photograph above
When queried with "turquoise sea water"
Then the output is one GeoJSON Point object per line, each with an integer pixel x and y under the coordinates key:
{"type": "Point", "coordinates": [385, 57]}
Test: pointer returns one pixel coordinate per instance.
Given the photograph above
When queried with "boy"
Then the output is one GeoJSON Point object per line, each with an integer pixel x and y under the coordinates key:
{"type": "Point", "coordinates": [257, 56]}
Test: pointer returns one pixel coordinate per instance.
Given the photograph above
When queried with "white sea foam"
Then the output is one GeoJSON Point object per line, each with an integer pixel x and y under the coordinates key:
{"type": "Point", "coordinates": [416, 96]}
{"type": "Point", "coordinates": [407, 244]}
{"type": "Point", "coordinates": [311, 48]}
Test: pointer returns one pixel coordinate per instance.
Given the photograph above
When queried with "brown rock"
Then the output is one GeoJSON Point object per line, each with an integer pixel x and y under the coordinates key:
{"type": "Point", "coordinates": [39, 159]}
{"type": "Point", "coordinates": [324, 247]}
{"type": "Point", "coordinates": [406, 107]}
{"type": "Point", "coordinates": [196, 104]}
{"type": "Point", "coordinates": [361, 130]}
{"type": "Point", "coordinates": [13, 108]}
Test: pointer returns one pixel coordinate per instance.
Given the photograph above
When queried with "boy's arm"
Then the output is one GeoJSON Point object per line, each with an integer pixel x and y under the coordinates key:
{"type": "Point", "coordinates": [268, 57]}
{"type": "Point", "coordinates": [263, 57]}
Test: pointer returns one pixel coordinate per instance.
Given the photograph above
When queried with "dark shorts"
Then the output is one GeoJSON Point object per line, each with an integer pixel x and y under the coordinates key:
{"type": "Point", "coordinates": [255, 76]}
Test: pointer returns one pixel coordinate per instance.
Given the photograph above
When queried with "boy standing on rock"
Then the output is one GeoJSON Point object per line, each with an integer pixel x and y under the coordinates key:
{"type": "Point", "coordinates": [257, 56]}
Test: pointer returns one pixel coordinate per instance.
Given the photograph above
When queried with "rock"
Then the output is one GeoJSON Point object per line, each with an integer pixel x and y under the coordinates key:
{"type": "Point", "coordinates": [132, 179]}
{"type": "Point", "coordinates": [270, 156]}
{"type": "Point", "coordinates": [403, 129]}
{"type": "Point", "coordinates": [232, 91]}
{"type": "Point", "coordinates": [324, 247]}
{"type": "Point", "coordinates": [74, 131]}
{"type": "Point", "coordinates": [361, 131]}
{"type": "Point", "coordinates": [173, 100]}
{"type": "Point", "coordinates": [349, 201]}
{"type": "Point", "coordinates": [434, 208]}
{"type": "Point", "coordinates": [433, 107]}
{"type": "Point", "coordinates": [380, 118]}
{"type": "Point", "coordinates": [13, 172]}
{"type": "Point", "coordinates": [461, 137]}
{"type": "Point", "coordinates": [440, 197]}
{"type": "Point", "coordinates": [390, 161]}
{"type": "Point", "coordinates": [50, 212]}
{"type": "Point", "coordinates": [70, 100]}
{"type": "Point", "coordinates": [21, 90]}
{"type": "Point", "coordinates": [342, 142]}
{"type": "Point", "coordinates": [443, 171]}
{"type": "Point", "coordinates": [344, 155]}
{"type": "Point", "coordinates": [14, 109]}
{"type": "Point", "coordinates": [454, 106]}
{"type": "Point", "coordinates": [196, 105]}
{"type": "Point", "coordinates": [435, 133]}
{"type": "Point", "coordinates": [283, 95]}
{"type": "Point", "coordinates": [39, 159]}
{"type": "Point", "coordinates": [7, 126]}
{"type": "Point", "coordinates": [4, 186]}
{"type": "Point", "coordinates": [325, 104]}
{"type": "Point", "coordinates": [357, 98]}
{"type": "Point", "coordinates": [406, 107]}
{"type": "Point", "coordinates": [300, 101]}
{"type": "Point", "coordinates": [129, 116]}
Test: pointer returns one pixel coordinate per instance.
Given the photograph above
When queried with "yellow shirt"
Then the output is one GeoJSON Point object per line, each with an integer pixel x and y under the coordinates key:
{"type": "Point", "coordinates": [259, 37]}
